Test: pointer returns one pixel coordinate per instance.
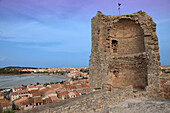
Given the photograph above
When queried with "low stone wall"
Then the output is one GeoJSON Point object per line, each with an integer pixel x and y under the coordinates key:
{"type": "Point", "coordinates": [88, 103]}
{"type": "Point", "coordinates": [165, 84]}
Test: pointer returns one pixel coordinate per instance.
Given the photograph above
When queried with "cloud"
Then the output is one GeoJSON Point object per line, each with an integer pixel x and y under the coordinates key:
{"type": "Point", "coordinates": [67, 47]}
{"type": "Point", "coordinates": [163, 20]}
{"type": "Point", "coordinates": [2, 58]}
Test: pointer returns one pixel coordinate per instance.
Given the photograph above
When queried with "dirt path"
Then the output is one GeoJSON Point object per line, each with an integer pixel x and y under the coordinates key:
{"type": "Point", "coordinates": [140, 105]}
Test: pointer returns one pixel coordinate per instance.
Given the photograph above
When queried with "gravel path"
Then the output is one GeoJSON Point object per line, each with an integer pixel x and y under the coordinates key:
{"type": "Point", "coordinates": [140, 105]}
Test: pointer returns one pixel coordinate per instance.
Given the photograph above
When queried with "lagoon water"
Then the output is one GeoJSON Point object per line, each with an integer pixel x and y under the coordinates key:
{"type": "Point", "coordinates": [18, 80]}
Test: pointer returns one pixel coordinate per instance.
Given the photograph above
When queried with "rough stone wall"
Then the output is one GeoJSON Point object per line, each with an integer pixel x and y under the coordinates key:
{"type": "Point", "coordinates": [124, 52]}
{"type": "Point", "coordinates": [86, 104]}
{"type": "Point", "coordinates": [165, 85]}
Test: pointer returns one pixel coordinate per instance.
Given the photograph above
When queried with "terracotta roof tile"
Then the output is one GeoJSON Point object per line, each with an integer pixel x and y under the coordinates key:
{"type": "Point", "coordinates": [38, 99]}
{"type": "Point", "coordinates": [4, 103]}
{"type": "Point", "coordinates": [54, 98]}
{"type": "Point", "coordinates": [20, 100]}
{"type": "Point", "coordinates": [1, 94]}
{"type": "Point", "coordinates": [76, 93]}
{"type": "Point", "coordinates": [33, 91]}
{"type": "Point", "coordinates": [64, 93]}
{"type": "Point", "coordinates": [14, 93]}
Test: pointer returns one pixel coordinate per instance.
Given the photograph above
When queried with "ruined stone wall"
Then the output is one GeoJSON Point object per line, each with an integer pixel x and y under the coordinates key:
{"type": "Point", "coordinates": [88, 103]}
{"type": "Point", "coordinates": [131, 70]}
{"type": "Point", "coordinates": [124, 52]}
{"type": "Point", "coordinates": [129, 35]}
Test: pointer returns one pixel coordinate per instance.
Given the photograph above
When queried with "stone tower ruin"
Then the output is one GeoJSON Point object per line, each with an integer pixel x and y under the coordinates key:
{"type": "Point", "coordinates": [124, 52]}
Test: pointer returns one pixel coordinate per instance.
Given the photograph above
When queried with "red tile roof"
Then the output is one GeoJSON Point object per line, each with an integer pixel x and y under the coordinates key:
{"type": "Point", "coordinates": [76, 93]}
{"type": "Point", "coordinates": [38, 100]}
{"type": "Point", "coordinates": [14, 93]}
{"type": "Point", "coordinates": [54, 99]}
{"type": "Point", "coordinates": [39, 86]}
{"type": "Point", "coordinates": [63, 94]}
{"type": "Point", "coordinates": [36, 94]}
{"type": "Point", "coordinates": [31, 86]}
{"type": "Point", "coordinates": [33, 91]}
{"type": "Point", "coordinates": [4, 103]}
{"type": "Point", "coordinates": [1, 94]}
{"type": "Point", "coordinates": [20, 99]}
{"type": "Point", "coordinates": [15, 88]}
{"type": "Point", "coordinates": [22, 91]}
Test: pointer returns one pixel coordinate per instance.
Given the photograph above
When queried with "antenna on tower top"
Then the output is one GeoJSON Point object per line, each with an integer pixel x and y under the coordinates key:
{"type": "Point", "coordinates": [119, 4]}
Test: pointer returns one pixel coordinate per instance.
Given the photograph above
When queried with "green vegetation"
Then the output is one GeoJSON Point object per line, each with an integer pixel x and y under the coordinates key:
{"type": "Point", "coordinates": [8, 111]}
{"type": "Point", "coordinates": [165, 71]}
{"type": "Point", "coordinates": [8, 71]}
{"type": "Point", "coordinates": [85, 77]}
{"type": "Point", "coordinates": [14, 70]}
{"type": "Point", "coordinates": [62, 72]}
{"type": "Point", "coordinates": [85, 70]}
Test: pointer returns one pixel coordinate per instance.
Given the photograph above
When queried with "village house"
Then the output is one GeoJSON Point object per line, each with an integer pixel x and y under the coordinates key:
{"type": "Point", "coordinates": [29, 103]}
{"type": "Point", "coordinates": [78, 85]}
{"type": "Point", "coordinates": [39, 86]}
{"type": "Point", "coordinates": [47, 100]}
{"type": "Point", "coordinates": [20, 99]}
{"type": "Point", "coordinates": [17, 102]}
{"type": "Point", "coordinates": [49, 93]}
{"type": "Point", "coordinates": [35, 93]}
{"type": "Point", "coordinates": [82, 92]}
{"type": "Point", "coordinates": [20, 93]}
{"type": "Point", "coordinates": [63, 95]}
{"type": "Point", "coordinates": [76, 93]}
{"type": "Point", "coordinates": [38, 101]}
{"type": "Point", "coordinates": [69, 87]}
{"type": "Point", "coordinates": [58, 85]}
{"type": "Point", "coordinates": [1, 96]}
{"type": "Point", "coordinates": [54, 98]}
{"type": "Point", "coordinates": [72, 94]}
{"type": "Point", "coordinates": [58, 89]}
{"type": "Point", "coordinates": [31, 87]}
{"type": "Point", "coordinates": [15, 89]}
{"type": "Point", "coordinates": [5, 105]}
{"type": "Point", "coordinates": [42, 88]}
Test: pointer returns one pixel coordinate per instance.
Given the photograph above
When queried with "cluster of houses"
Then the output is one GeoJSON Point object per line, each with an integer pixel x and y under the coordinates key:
{"type": "Point", "coordinates": [77, 74]}
{"type": "Point", "coordinates": [52, 70]}
{"type": "Point", "coordinates": [165, 69]}
{"type": "Point", "coordinates": [31, 96]}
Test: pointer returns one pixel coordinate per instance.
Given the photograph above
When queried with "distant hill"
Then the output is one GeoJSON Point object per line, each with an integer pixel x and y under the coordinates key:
{"type": "Point", "coordinates": [14, 70]}
{"type": "Point", "coordinates": [165, 66]}
{"type": "Point", "coordinates": [18, 67]}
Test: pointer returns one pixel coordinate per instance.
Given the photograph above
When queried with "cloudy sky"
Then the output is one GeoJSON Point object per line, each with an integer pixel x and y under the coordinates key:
{"type": "Point", "coordinates": [57, 33]}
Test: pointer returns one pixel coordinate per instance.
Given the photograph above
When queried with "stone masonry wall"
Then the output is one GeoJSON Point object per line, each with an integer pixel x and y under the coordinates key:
{"type": "Point", "coordinates": [88, 103]}
{"type": "Point", "coordinates": [165, 84]}
{"type": "Point", "coordinates": [132, 70]}
{"type": "Point", "coordinates": [124, 52]}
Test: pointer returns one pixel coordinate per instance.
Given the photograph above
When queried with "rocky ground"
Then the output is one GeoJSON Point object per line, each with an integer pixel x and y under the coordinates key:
{"type": "Point", "coordinates": [140, 105]}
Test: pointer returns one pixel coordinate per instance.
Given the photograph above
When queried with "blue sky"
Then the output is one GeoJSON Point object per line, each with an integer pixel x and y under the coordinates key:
{"type": "Point", "coordinates": [57, 33]}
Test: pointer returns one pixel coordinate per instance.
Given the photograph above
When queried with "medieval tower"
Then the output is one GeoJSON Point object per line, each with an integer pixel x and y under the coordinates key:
{"type": "Point", "coordinates": [124, 52]}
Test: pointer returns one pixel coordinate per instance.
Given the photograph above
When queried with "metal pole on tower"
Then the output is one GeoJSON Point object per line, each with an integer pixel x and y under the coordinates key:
{"type": "Point", "coordinates": [119, 4]}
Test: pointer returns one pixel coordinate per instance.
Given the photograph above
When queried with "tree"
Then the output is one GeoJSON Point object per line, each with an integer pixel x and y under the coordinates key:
{"type": "Point", "coordinates": [38, 83]}
{"type": "Point", "coordinates": [8, 111]}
